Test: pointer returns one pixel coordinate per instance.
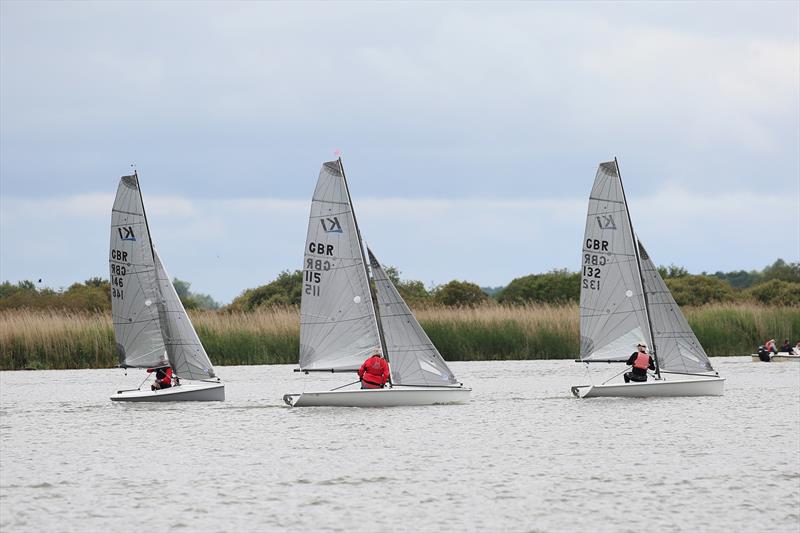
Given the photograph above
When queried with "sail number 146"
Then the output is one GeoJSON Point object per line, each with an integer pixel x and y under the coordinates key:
{"type": "Point", "coordinates": [118, 273]}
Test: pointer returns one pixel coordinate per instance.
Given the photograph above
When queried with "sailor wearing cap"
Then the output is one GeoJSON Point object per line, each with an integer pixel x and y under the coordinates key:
{"type": "Point", "coordinates": [640, 361]}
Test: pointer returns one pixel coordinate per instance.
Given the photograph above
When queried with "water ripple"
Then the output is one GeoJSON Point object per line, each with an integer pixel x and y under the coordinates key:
{"type": "Point", "coordinates": [523, 456]}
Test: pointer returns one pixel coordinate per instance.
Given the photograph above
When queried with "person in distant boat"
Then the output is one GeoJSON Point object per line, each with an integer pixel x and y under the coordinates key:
{"type": "Point", "coordinates": [640, 360]}
{"type": "Point", "coordinates": [764, 353]}
{"type": "Point", "coordinates": [163, 377]}
{"type": "Point", "coordinates": [771, 346]}
{"type": "Point", "coordinates": [374, 373]}
{"type": "Point", "coordinates": [786, 346]}
{"type": "Point", "coordinates": [796, 350]}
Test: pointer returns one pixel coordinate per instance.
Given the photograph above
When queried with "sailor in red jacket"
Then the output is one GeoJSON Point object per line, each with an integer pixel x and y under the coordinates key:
{"type": "Point", "coordinates": [163, 378]}
{"type": "Point", "coordinates": [640, 361]}
{"type": "Point", "coordinates": [374, 373]}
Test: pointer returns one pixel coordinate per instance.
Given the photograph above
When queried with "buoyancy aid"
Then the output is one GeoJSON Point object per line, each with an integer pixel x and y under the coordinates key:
{"type": "Point", "coordinates": [642, 361]}
{"type": "Point", "coordinates": [375, 370]}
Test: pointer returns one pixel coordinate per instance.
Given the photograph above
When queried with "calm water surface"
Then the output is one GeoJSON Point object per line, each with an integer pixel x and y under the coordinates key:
{"type": "Point", "coordinates": [524, 455]}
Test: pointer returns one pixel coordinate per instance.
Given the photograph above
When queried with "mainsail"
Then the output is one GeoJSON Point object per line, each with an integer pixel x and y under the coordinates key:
{"type": "Point", "coordinates": [612, 303]}
{"type": "Point", "coordinates": [186, 354]}
{"type": "Point", "coordinates": [413, 357]}
{"type": "Point", "coordinates": [676, 345]}
{"type": "Point", "coordinates": [134, 294]}
{"type": "Point", "coordinates": [338, 324]}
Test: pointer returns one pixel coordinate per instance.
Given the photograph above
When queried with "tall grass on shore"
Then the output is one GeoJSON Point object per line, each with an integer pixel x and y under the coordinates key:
{"type": "Point", "coordinates": [56, 339]}
{"type": "Point", "coordinates": [262, 337]}
{"type": "Point", "coordinates": [503, 332]}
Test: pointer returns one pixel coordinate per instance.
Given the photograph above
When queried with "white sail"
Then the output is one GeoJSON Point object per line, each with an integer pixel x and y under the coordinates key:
{"type": "Point", "coordinates": [186, 354]}
{"type": "Point", "coordinates": [413, 357]}
{"type": "Point", "coordinates": [675, 344]}
{"type": "Point", "coordinates": [134, 295]}
{"type": "Point", "coordinates": [338, 326]}
{"type": "Point", "coordinates": [612, 306]}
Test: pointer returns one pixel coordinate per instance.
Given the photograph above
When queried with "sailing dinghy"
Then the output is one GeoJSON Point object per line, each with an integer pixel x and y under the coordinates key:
{"type": "Point", "coordinates": [624, 301]}
{"type": "Point", "coordinates": [151, 326]}
{"type": "Point", "coordinates": [342, 322]}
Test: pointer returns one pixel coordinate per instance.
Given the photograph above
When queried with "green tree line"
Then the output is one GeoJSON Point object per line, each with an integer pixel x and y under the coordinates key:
{"type": "Point", "coordinates": [776, 284]}
{"type": "Point", "coordinates": [92, 295]}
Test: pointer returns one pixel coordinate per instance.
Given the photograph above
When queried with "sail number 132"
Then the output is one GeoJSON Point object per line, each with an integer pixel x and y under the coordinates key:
{"type": "Point", "coordinates": [592, 271]}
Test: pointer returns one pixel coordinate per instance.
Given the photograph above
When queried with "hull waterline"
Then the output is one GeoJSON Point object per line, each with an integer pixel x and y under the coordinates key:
{"type": "Point", "coordinates": [391, 397]}
{"type": "Point", "coordinates": [712, 386]}
{"type": "Point", "coordinates": [186, 392]}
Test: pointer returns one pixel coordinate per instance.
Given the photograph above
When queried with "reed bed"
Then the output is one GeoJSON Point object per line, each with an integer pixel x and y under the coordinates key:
{"type": "Point", "coordinates": [494, 332]}
{"type": "Point", "coordinates": [262, 337]}
{"type": "Point", "coordinates": [56, 339]}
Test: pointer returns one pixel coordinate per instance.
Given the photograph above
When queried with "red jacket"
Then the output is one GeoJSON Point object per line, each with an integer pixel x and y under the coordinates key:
{"type": "Point", "coordinates": [164, 376]}
{"type": "Point", "coordinates": [375, 370]}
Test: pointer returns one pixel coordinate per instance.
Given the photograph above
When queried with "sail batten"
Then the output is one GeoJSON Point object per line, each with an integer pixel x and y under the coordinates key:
{"type": "Point", "coordinates": [413, 358]}
{"type": "Point", "coordinates": [338, 325]}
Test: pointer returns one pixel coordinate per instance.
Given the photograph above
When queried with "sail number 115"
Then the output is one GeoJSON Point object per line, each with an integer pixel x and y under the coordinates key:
{"type": "Point", "coordinates": [312, 275]}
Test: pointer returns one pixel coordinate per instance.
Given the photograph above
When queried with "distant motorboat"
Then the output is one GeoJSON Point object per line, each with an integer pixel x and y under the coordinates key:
{"type": "Point", "coordinates": [780, 357]}
{"type": "Point", "coordinates": [624, 302]}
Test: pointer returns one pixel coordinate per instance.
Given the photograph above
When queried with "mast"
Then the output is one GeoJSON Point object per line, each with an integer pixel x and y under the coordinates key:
{"type": "Point", "coordinates": [639, 271]}
{"type": "Point", "coordinates": [364, 264]}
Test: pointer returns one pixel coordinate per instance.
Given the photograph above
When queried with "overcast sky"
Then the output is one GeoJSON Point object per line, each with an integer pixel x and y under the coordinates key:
{"type": "Point", "coordinates": [470, 133]}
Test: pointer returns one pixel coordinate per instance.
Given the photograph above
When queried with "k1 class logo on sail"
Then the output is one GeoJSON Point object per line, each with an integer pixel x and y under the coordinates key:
{"type": "Point", "coordinates": [331, 225]}
{"type": "Point", "coordinates": [126, 233]}
{"type": "Point", "coordinates": [606, 222]}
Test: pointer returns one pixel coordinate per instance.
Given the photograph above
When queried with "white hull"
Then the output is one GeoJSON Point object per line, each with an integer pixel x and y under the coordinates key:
{"type": "Point", "coordinates": [188, 391]}
{"type": "Point", "coordinates": [780, 357]}
{"type": "Point", "coordinates": [390, 397]}
{"type": "Point", "coordinates": [711, 386]}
